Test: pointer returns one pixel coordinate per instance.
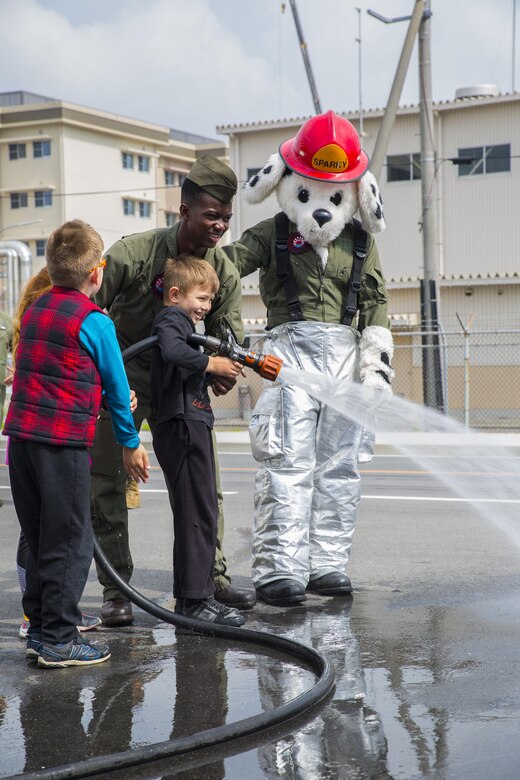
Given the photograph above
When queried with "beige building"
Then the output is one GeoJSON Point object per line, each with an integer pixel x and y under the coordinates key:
{"type": "Point", "coordinates": [476, 207]}
{"type": "Point", "coordinates": [59, 161]}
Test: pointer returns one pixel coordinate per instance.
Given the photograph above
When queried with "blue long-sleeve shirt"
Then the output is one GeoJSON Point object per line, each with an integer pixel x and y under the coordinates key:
{"type": "Point", "coordinates": [98, 337]}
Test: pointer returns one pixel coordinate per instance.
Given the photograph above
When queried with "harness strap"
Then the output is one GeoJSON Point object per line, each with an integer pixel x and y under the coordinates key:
{"type": "Point", "coordinates": [284, 270]}
{"type": "Point", "coordinates": [285, 274]}
{"type": "Point", "coordinates": [354, 284]}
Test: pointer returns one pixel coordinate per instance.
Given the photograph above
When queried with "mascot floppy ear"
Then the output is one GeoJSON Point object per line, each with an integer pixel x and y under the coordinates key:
{"type": "Point", "coordinates": [370, 204]}
{"type": "Point", "coordinates": [263, 183]}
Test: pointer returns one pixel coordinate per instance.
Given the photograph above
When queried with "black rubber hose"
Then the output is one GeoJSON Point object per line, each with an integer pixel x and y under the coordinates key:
{"type": "Point", "coordinates": [211, 737]}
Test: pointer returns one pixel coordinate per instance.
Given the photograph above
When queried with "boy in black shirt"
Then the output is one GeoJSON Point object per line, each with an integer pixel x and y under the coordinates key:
{"type": "Point", "coordinates": [182, 440]}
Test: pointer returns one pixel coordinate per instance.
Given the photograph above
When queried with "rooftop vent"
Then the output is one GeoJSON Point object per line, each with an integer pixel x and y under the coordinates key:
{"type": "Point", "coordinates": [480, 90]}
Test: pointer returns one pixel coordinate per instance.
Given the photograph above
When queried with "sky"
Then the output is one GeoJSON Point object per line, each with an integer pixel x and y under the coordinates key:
{"type": "Point", "coordinates": [197, 64]}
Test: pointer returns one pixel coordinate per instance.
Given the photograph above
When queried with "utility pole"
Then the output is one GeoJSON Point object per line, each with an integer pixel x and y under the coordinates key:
{"type": "Point", "coordinates": [358, 41]}
{"type": "Point", "coordinates": [513, 58]}
{"type": "Point", "coordinates": [432, 369]}
{"type": "Point", "coordinates": [420, 25]}
{"type": "Point", "coordinates": [387, 123]}
{"type": "Point", "coordinates": [306, 60]}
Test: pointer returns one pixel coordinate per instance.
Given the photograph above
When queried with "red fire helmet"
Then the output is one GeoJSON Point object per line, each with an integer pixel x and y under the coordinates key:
{"type": "Point", "coordinates": [326, 147]}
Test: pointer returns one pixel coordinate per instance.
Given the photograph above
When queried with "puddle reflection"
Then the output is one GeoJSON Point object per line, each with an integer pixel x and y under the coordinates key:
{"type": "Point", "coordinates": [346, 739]}
{"type": "Point", "coordinates": [395, 713]}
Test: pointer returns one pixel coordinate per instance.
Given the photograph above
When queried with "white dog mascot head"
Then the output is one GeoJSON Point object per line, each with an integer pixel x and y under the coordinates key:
{"type": "Point", "coordinates": [321, 180]}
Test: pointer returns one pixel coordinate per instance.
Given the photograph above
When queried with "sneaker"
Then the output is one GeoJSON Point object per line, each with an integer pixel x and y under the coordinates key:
{"type": "Point", "coordinates": [77, 652]}
{"type": "Point", "coordinates": [33, 648]}
{"type": "Point", "coordinates": [209, 610]}
{"type": "Point", "coordinates": [24, 628]}
{"type": "Point", "coordinates": [88, 622]}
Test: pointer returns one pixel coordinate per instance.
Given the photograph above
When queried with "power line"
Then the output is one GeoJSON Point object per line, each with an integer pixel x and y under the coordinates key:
{"type": "Point", "coordinates": [96, 192]}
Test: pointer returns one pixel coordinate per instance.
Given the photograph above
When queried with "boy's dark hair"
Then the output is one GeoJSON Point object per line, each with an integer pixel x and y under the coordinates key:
{"type": "Point", "coordinates": [73, 250]}
{"type": "Point", "coordinates": [186, 272]}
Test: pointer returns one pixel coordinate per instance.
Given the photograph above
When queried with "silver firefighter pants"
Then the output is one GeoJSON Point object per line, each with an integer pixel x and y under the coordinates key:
{"type": "Point", "coordinates": [307, 486]}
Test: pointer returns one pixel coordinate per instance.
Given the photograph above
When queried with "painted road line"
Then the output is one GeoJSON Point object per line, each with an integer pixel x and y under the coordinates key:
{"type": "Point", "coordinates": [163, 490]}
{"type": "Point", "coordinates": [370, 498]}
{"type": "Point", "coordinates": [439, 498]}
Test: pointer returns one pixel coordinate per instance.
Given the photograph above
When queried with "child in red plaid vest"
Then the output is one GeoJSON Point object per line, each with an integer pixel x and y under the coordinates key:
{"type": "Point", "coordinates": [67, 356]}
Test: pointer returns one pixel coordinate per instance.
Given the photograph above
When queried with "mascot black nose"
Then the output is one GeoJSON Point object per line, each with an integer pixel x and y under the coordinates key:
{"type": "Point", "coordinates": [322, 216]}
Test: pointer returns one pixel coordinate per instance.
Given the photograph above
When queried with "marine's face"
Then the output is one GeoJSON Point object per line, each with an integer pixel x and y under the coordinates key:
{"type": "Point", "coordinates": [206, 220]}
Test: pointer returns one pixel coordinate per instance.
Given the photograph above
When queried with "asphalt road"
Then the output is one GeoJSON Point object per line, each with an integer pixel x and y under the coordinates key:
{"type": "Point", "coordinates": [426, 653]}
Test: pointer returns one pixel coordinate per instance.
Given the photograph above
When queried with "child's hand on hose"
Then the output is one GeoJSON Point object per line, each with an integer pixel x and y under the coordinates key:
{"type": "Point", "coordinates": [224, 366]}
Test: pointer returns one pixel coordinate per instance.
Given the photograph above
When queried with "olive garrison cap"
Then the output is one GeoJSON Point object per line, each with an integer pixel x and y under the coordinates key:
{"type": "Point", "coordinates": [214, 177]}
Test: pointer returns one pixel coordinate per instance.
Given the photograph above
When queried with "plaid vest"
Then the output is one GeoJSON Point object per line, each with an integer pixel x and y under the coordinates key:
{"type": "Point", "coordinates": [57, 388]}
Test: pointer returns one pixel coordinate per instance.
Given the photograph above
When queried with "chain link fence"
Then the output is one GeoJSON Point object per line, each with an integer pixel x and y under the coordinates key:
{"type": "Point", "coordinates": [478, 371]}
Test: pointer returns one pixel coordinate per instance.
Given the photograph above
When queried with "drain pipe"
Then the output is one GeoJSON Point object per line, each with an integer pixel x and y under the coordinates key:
{"type": "Point", "coordinates": [19, 269]}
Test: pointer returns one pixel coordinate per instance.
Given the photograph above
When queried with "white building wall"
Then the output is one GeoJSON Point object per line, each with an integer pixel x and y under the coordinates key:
{"type": "Point", "coordinates": [400, 245]}
{"type": "Point", "coordinates": [476, 207]}
{"type": "Point", "coordinates": [28, 175]}
{"type": "Point", "coordinates": [93, 168]}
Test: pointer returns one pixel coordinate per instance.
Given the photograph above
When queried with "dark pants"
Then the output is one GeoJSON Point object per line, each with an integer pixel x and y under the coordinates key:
{"type": "Point", "coordinates": [51, 494]}
{"type": "Point", "coordinates": [184, 450]}
{"type": "Point", "coordinates": [109, 512]}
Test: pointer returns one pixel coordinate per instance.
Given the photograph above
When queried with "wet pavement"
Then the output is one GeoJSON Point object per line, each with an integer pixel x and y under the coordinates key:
{"type": "Point", "coordinates": [426, 653]}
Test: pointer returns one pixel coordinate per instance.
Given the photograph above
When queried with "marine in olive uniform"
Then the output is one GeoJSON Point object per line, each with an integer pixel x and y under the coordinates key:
{"type": "Point", "coordinates": [132, 295]}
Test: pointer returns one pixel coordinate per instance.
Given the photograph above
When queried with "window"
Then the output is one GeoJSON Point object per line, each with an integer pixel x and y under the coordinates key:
{"type": "Point", "coordinates": [485, 159]}
{"type": "Point", "coordinates": [182, 179]}
{"type": "Point", "coordinates": [171, 218]}
{"type": "Point", "coordinates": [128, 207]}
{"type": "Point", "coordinates": [17, 151]}
{"type": "Point", "coordinates": [128, 160]}
{"type": "Point", "coordinates": [41, 148]}
{"type": "Point", "coordinates": [252, 172]}
{"type": "Point", "coordinates": [403, 167]}
{"type": "Point", "coordinates": [42, 198]}
{"type": "Point", "coordinates": [19, 200]}
{"type": "Point", "coordinates": [143, 163]}
{"type": "Point", "coordinates": [41, 243]}
{"type": "Point", "coordinates": [169, 178]}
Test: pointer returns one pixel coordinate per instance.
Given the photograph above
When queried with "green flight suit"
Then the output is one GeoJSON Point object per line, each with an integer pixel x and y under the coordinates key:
{"type": "Point", "coordinates": [6, 333]}
{"type": "Point", "coordinates": [322, 293]}
{"type": "Point", "coordinates": [133, 264]}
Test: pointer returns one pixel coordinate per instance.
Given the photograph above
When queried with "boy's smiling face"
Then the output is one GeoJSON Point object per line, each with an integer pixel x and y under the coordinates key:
{"type": "Point", "coordinates": [196, 302]}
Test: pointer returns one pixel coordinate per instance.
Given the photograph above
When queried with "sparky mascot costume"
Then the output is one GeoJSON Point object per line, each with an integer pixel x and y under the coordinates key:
{"type": "Point", "coordinates": [322, 284]}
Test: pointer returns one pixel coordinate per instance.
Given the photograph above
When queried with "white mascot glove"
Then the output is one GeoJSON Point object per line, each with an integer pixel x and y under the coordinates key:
{"type": "Point", "coordinates": [376, 350]}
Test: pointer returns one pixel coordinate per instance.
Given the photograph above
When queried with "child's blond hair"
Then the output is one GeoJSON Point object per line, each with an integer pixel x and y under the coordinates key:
{"type": "Point", "coordinates": [37, 285]}
{"type": "Point", "coordinates": [187, 272]}
{"type": "Point", "coordinates": [73, 251]}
